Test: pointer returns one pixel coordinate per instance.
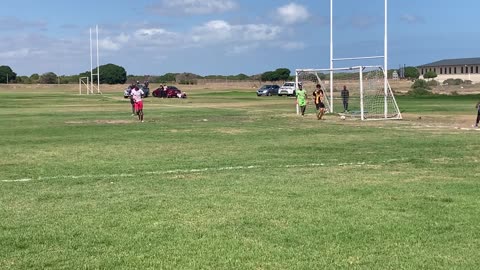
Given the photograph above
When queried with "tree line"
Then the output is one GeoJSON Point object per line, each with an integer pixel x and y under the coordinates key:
{"type": "Point", "coordinates": [114, 74]}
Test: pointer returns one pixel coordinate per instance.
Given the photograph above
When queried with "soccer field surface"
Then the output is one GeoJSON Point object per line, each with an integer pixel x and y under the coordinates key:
{"type": "Point", "coordinates": [228, 180]}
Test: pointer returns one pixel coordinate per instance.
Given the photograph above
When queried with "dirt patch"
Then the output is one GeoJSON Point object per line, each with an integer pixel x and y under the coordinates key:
{"type": "Point", "coordinates": [113, 122]}
{"type": "Point", "coordinates": [231, 131]}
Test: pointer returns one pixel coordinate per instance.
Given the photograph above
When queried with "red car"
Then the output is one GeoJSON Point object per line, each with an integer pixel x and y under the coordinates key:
{"type": "Point", "coordinates": [170, 92]}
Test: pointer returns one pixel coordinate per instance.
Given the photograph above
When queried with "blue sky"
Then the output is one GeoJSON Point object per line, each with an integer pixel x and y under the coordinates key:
{"type": "Point", "coordinates": [226, 37]}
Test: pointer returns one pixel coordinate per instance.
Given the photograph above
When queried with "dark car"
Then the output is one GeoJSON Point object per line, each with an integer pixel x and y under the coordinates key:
{"type": "Point", "coordinates": [169, 92]}
{"type": "Point", "coordinates": [145, 89]}
{"type": "Point", "coordinates": [268, 90]}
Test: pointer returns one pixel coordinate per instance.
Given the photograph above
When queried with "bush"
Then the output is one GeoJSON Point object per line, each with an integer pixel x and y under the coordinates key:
{"type": "Point", "coordinates": [433, 83]}
{"type": "Point", "coordinates": [453, 82]}
{"type": "Point", "coordinates": [468, 82]}
{"type": "Point", "coordinates": [420, 84]}
{"type": "Point", "coordinates": [419, 92]}
{"type": "Point", "coordinates": [430, 75]}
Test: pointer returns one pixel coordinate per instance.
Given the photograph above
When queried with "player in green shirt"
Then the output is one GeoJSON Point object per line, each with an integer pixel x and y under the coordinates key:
{"type": "Point", "coordinates": [301, 99]}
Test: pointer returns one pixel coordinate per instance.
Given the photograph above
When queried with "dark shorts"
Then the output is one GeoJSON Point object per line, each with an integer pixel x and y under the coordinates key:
{"type": "Point", "coordinates": [320, 106]}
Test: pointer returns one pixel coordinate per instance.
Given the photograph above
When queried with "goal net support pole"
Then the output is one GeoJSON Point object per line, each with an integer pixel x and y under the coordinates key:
{"type": "Point", "coordinates": [97, 74]}
{"type": "Point", "coordinates": [384, 57]}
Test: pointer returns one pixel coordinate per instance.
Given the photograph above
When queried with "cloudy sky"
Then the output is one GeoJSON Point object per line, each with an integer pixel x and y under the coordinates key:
{"type": "Point", "coordinates": [230, 36]}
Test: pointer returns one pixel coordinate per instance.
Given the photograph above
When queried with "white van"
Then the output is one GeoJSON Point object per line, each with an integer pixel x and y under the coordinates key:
{"type": "Point", "coordinates": [288, 88]}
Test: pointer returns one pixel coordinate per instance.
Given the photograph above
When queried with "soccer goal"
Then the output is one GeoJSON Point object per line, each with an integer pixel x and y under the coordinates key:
{"type": "Point", "coordinates": [369, 97]}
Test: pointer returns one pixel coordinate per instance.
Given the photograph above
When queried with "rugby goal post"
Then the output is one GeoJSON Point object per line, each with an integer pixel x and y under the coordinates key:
{"type": "Point", "coordinates": [369, 98]}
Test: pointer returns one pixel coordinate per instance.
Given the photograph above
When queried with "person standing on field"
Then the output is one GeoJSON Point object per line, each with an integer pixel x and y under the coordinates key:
{"type": "Point", "coordinates": [137, 95]}
{"type": "Point", "coordinates": [301, 99]}
{"type": "Point", "coordinates": [345, 96]}
{"type": "Point", "coordinates": [478, 115]}
{"type": "Point", "coordinates": [318, 99]}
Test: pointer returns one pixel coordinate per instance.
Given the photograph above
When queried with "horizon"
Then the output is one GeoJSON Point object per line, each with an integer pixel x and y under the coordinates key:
{"type": "Point", "coordinates": [229, 37]}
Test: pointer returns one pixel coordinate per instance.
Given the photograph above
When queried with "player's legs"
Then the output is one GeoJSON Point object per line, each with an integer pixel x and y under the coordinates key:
{"type": "Point", "coordinates": [478, 119]}
{"type": "Point", "coordinates": [139, 108]}
{"type": "Point", "coordinates": [321, 111]}
{"type": "Point", "coordinates": [133, 106]}
{"type": "Point", "coordinates": [302, 109]}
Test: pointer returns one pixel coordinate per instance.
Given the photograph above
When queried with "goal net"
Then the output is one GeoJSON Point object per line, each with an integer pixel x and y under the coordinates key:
{"type": "Point", "coordinates": [369, 98]}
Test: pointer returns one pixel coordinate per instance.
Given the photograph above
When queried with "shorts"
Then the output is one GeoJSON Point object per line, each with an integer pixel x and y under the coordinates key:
{"type": "Point", "coordinates": [320, 106]}
{"type": "Point", "coordinates": [138, 105]}
{"type": "Point", "coordinates": [132, 101]}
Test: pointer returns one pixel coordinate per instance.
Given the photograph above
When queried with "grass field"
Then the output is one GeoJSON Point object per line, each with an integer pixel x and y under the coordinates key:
{"type": "Point", "coordinates": [227, 180]}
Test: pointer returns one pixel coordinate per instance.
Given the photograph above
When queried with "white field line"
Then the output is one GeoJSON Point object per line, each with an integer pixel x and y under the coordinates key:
{"type": "Point", "coordinates": [200, 170]}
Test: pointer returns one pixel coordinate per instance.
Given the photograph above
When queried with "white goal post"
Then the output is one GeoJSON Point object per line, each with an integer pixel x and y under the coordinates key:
{"type": "Point", "coordinates": [369, 99]}
{"type": "Point", "coordinates": [84, 83]}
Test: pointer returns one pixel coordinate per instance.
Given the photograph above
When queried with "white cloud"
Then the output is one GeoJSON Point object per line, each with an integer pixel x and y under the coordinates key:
{"type": "Point", "coordinates": [109, 44]}
{"type": "Point", "coordinates": [223, 32]}
{"type": "Point", "coordinates": [19, 53]}
{"type": "Point", "coordinates": [410, 18]}
{"type": "Point", "coordinates": [194, 6]}
{"type": "Point", "coordinates": [293, 45]}
{"type": "Point", "coordinates": [241, 49]}
{"type": "Point", "coordinates": [292, 13]}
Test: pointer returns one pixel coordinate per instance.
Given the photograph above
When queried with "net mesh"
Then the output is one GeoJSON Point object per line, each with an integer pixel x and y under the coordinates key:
{"type": "Point", "coordinates": [377, 104]}
{"type": "Point", "coordinates": [309, 80]}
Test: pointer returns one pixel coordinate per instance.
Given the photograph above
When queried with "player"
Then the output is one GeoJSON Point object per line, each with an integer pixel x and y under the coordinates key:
{"type": "Point", "coordinates": [137, 95]}
{"type": "Point", "coordinates": [301, 99]}
{"type": "Point", "coordinates": [128, 94]}
{"type": "Point", "coordinates": [318, 99]}
{"type": "Point", "coordinates": [345, 96]}
{"type": "Point", "coordinates": [478, 115]}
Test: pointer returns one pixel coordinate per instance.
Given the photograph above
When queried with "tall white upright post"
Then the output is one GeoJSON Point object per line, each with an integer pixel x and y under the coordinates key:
{"type": "Point", "coordinates": [296, 88]}
{"type": "Point", "coordinates": [98, 64]}
{"type": "Point", "coordinates": [362, 110]}
{"type": "Point", "coordinates": [331, 56]}
{"type": "Point", "coordinates": [385, 59]}
{"type": "Point", "coordinates": [91, 61]}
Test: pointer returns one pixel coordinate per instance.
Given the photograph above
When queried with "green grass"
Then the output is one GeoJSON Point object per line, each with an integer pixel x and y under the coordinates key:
{"type": "Point", "coordinates": [228, 180]}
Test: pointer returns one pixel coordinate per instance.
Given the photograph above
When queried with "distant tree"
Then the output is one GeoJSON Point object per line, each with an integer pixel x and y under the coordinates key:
{"type": "Point", "coordinates": [282, 74]}
{"type": "Point", "coordinates": [34, 77]}
{"type": "Point", "coordinates": [111, 74]}
{"type": "Point", "coordinates": [4, 70]}
{"type": "Point", "coordinates": [430, 75]}
{"type": "Point", "coordinates": [23, 79]}
{"type": "Point", "coordinates": [48, 78]}
{"type": "Point", "coordinates": [242, 77]}
{"type": "Point", "coordinates": [186, 78]}
{"type": "Point", "coordinates": [412, 73]}
{"type": "Point", "coordinates": [269, 76]}
{"type": "Point", "coordinates": [73, 79]}
{"type": "Point", "coordinates": [168, 77]}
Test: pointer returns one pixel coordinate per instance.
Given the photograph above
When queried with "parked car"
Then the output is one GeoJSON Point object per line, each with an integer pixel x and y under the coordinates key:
{"type": "Point", "coordinates": [288, 88]}
{"type": "Point", "coordinates": [268, 90]}
{"type": "Point", "coordinates": [169, 92]}
{"type": "Point", "coordinates": [145, 89]}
